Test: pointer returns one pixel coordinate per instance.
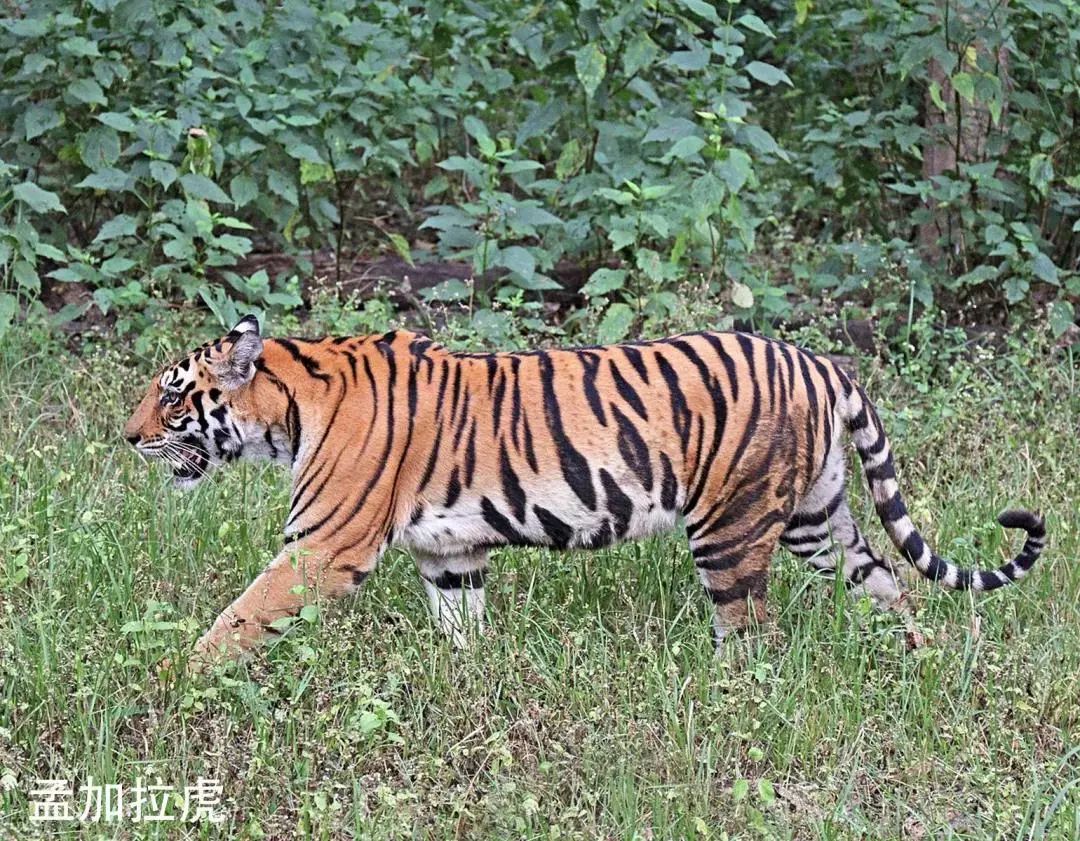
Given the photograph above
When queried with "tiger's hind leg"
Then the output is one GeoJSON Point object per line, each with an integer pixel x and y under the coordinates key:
{"type": "Point", "coordinates": [823, 529]}
{"type": "Point", "coordinates": [455, 590]}
{"type": "Point", "coordinates": [732, 561]}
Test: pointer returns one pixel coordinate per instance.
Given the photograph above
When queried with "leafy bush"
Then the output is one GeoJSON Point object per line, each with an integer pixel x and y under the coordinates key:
{"type": "Point", "coordinates": [147, 148]}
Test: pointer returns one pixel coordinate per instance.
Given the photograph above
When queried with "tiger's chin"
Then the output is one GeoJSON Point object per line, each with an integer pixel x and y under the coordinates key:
{"type": "Point", "coordinates": [185, 482]}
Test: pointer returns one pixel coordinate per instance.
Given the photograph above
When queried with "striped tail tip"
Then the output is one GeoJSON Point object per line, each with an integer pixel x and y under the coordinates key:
{"type": "Point", "coordinates": [1029, 521]}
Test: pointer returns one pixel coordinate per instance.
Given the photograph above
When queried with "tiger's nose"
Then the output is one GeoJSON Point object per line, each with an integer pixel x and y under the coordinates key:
{"type": "Point", "coordinates": [133, 439]}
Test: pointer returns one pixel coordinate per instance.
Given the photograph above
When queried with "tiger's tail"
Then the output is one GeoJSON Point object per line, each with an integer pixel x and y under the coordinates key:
{"type": "Point", "coordinates": [862, 421]}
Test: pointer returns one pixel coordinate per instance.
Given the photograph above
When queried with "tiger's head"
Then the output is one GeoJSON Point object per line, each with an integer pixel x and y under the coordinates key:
{"type": "Point", "coordinates": [193, 415]}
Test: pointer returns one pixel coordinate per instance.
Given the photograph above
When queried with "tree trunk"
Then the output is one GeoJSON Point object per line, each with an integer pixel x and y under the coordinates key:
{"type": "Point", "coordinates": [960, 134]}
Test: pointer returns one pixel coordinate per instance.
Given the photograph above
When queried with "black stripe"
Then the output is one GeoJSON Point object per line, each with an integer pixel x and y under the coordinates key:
{"type": "Point", "coordinates": [633, 449]}
{"type": "Point", "coordinates": [627, 392]}
{"type": "Point", "coordinates": [197, 403]}
{"type": "Point", "coordinates": [726, 361]}
{"type": "Point", "coordinates": [464, 419]}
{"type": "Point", "coordinates": [814, 538]}
{"type": "Point", "coordinates": [496, 406]}
{"type": "Point", "coordinates": [511, 485]}
{"type": "Point", "coordinates": [866, 453]}
{"type": "Point", "coordinates": [718, 564]}
{"type": "Point", "coordinates": [892, 509]}
{"type": "Point", "coordinates": [816, 518]}
{"type": "Point", "coordinates": [750, 427]}
{"type": "Point", "coordinates": [680, 413]}
{"type": "Point", "coordinates": [449, 580]}
{"type": "Point", "coordinates": [310, 365]}
{"type": "Point", "coordinates": [470, 456]}
{"type": "Point", "coordinates": [515, 402]}
{"type": "Point", "coordinates": [618, 503]}
{"type": "Point", "coordinates": [749, 585]}
{"type": "Point", "coordinates": [575, 467]}
{"type": "Point", "coordinates": [719, 407]}
{"type": "Point", "coordinates": [456, 393]}
{"type": "Point", "coordinates": [501, 524]}
{"type": "Point", "coordinates": [770, 371]}
{"type": "Point", "coordinates": [669, 486]}
{"type": "Point", "coordinates": [453, 488]}
{"type": "Point", "coordinates": [558, 532]}
{"type": "Point", "coordinates": [859, 420]}
{"type": "Point", "coordinates": [590, 362]}
{"type": "Point", "coordinates": [429, 469]}
{"type": "Point", "coordinates": [530, 451]}
{"type": "Point", "coordinates": [633, 355]}
{"type": "Point", "coordinates": [885, 470]}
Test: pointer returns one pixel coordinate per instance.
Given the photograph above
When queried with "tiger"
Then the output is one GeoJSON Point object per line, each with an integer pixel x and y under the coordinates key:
{"type": "Point", "coordinates": [393, 440]}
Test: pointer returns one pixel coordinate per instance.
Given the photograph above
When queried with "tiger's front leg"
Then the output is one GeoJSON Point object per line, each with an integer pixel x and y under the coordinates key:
{"type": "Point", "coordinates": [296, 577]}
{"type": "Point", "coordinates": [455, 590]}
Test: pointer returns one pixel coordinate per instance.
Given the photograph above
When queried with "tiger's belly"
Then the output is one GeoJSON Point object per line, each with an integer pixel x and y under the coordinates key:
{"type": "Point", "coordinates": [550, 517]}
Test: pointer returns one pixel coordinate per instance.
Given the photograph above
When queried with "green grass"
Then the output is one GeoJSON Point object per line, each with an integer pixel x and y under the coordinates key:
{"type": "Point", "coordinates": [595, 708]}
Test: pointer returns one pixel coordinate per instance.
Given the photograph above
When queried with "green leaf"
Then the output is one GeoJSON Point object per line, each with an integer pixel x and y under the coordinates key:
{"type": "Point", "coordinates": [741, 295]}
{"type": "Point", "coordinates": [79, 46]}
{"type": "Point", "coordinates": [604, 281]}
{"type": "Point", "coordinates": [1041, 173]}
{"type": "Point", "coordinates": [1044, 269]}
{"type": "Point", "coordinates": [99, 147]}
{"type": "Point", "coordinates": [590, 63]}
{"type": "Point", "coordinates": [243, 189]}
{"type": "Point", "coordinates": [116, 265]}
{"type": "Point", "coordinates": [702, 9]}
{"type": "Point", "coordinates": [40, 119]}
{"type": "Point", "coordinates": [309, 613]}
{"type": "Point", "coordinates": [202, 187]}
{"type": "Point", "coordinates": [283, 186]}
{"type": "Point", "coordinates": [1016, 289]}
{"type": "Point", "coordinates": [119, 226]}
{"type": "Point", "coordinates": [736, 169]}
{"type": "Point", "coordinates": [685, 147]}
{"type": "Point", "coordinates": [163, 172]}
{"type": "Point", "coordinates": [26, 276]}
{"type": "Point", "coordinates": [38, 200]}
{"type": "Point", "coordinates": [305, 152]}
{"type": "Point", "coordinates": [935, 96]}
{"type": "Point", "coordinates": [767, 73]}
{"type": "Point", "coordinates": [1061, 317]}
{"type": "Point", "coordinates": [964, 84]}
{"type": "Point", "coordinates": [315, 173]}
{"type": "Point", "coordinates": [87, 91]}
{"type": "Point", "coordinates": [994, 234]}
{"type": "Point", "coordinates": [755, 24]}
{"type": "Point", "coordinates": [105, 179]}
{"type": "Point", "coordinates": [401, 246]}
{"type": "Point", "coordinates": [120, 122]}
{"type": "Point", "coordinates": [616, 323]}
{"type": "Point", "coordinates": [766, 792]}
{"type": "Point", "coordinates": [639, 53]}
{"type": "Point", "coordinates": [9, 305]}
{"type": "Point", "coordinates": [740, 790]}
{"type": "Point", "coordinates": [519, 261]}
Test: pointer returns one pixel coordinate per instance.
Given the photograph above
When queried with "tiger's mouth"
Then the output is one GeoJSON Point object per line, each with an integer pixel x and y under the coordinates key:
{"type": "Point", "coordinates": [186, 457]}
{"type": "Point", "coordinates": [189, 466]}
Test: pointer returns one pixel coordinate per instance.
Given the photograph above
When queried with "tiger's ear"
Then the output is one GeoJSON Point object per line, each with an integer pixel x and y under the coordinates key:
{"type": "Point", "coordinates": [238, 366]}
